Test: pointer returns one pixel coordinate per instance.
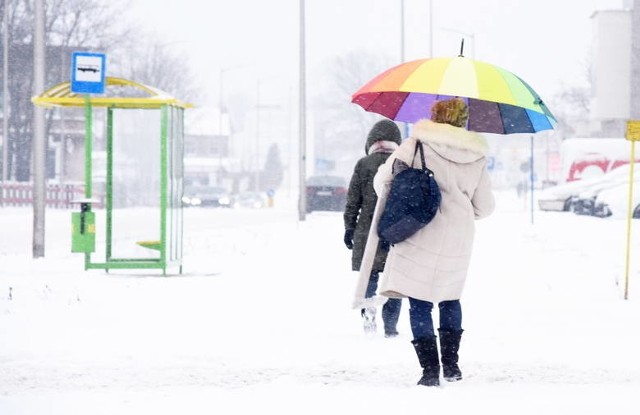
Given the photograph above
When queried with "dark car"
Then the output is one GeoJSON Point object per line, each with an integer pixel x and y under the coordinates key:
{"type": "Point", "coordinates": [206, 196]}
{"type": "Point", "coordinates": [326, 193]}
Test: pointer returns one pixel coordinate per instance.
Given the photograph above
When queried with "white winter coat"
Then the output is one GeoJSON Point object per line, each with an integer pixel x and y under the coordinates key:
{"type": "Point", "coordinates": [432, 264]}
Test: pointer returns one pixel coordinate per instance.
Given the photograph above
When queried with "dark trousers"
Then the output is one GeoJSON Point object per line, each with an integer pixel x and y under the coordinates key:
{"type": "Point", "coordinates": [422, 323]}
{"type": "Point", "coordinates": [390, 309]}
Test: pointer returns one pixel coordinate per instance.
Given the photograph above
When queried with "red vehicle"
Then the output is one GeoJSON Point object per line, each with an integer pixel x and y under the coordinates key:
{"type": "Point", "coordinates": [585, 158]}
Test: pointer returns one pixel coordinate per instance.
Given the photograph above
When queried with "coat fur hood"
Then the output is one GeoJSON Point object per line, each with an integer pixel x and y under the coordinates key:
{"type": "Point", "coordinates": [453, 143]}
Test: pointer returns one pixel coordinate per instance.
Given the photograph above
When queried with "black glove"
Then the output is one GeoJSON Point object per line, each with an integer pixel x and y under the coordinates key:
{"type": "Point", "coordinates": [348, 238]}
{"type": "Point", "coordinates": [384, 245]}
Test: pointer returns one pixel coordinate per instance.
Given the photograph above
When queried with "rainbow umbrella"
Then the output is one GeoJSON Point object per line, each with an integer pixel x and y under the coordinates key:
{"type": "Point", "coordinates": [499, 102]}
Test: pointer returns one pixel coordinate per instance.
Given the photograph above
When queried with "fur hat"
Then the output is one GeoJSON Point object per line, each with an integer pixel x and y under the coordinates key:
{"type": "Point", "coordinates": [383, 130]}
{"type": "Point", "coordinates": [452, 111]}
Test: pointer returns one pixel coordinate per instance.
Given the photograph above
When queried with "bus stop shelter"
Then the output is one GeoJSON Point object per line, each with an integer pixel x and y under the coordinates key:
{"type": "Point", "coordinates": [131, 214]}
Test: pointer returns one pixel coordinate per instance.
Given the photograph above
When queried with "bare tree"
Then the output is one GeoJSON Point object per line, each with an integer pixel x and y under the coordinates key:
{"type": "Point", "coordinates": [157, 64]}
{"type": "Point", "coordinates": [76, 25]}
{"type": "Point", "coordinates": [70, 24]}
{"type": "Point", "coordinates": [341, 126]}
{"type": "Point", "coordinates": [572, 107]}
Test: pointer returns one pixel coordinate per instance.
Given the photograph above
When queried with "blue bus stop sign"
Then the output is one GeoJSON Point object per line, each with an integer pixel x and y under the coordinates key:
{"type": "Point", "coordinates": [88, 72]}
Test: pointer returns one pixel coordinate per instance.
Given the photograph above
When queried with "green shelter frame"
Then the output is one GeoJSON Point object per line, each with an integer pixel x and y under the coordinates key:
{"type": "Point", "coordinates": [164, 250]}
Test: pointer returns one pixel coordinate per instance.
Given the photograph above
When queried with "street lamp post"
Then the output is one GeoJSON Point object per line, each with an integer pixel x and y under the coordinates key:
{"type": "Point", "coordinates": [402, 52]}
{"type": "Point", "coordinates": [220, 106]}
{"type": "Point", "coordinates": [431, 28]}
{"type": "Point", "coordinates": [401, 30]}
{"type": "Point", "coordinates": [302, 202]}
{"type": "Point", "coordinates": [257, 149]}
{"type": "Point", "coordinates": [39, 143]}
{"type": "Point", "coordinates": [5, 100]}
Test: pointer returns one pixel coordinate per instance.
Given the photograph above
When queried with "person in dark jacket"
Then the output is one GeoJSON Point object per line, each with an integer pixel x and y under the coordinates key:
{"type": "Point", "coordinates": [382, 140]}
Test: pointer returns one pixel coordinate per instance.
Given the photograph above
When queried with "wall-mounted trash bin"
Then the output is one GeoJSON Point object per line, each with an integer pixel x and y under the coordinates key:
{"type": "Point", "coordinates": [83, 228]}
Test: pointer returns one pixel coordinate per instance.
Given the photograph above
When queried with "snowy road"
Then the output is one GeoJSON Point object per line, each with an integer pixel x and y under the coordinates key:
{"type": "Point", "coordinates": [260, 321]}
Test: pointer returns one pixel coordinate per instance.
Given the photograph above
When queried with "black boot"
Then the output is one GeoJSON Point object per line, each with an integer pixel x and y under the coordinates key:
{"type": "Point", "coordinates": [449, 346]}
{"type": "Point", "coordinates": [427, 351]}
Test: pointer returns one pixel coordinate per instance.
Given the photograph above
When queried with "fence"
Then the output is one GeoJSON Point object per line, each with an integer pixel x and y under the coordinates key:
{"type": "Point", "coordinates": [57, 196]}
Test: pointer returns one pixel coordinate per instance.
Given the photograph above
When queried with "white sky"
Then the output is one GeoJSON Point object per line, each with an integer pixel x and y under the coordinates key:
{"type": "Point", "coordinates": [546, 42]}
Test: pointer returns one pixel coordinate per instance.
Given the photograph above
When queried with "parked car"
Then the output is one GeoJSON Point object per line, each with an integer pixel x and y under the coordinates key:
{"type": "Point", "coordinates": [584, 202]}
{"type": "Point", "coordinates": [559, 198]}
{"type": "Point", "coordinates": [614, 201]}
{"type": "Point", "coordinates": [564, 197]}
{"type": "Point", "coordinates": [326, 192]}
{"type": "Point", "coordinates": [206, 196]}
{"type": "Point", "coordinates": [249, 200]}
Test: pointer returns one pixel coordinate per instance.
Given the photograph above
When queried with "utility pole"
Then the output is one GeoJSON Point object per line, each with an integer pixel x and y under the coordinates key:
{"type": "Point", "coordinates": [402, 53]}
{"type": "Point", "coordinates": [302, 176]}
{"type": "Point", "coordinates": [431, 29]}
{"type": "Point", "coordinates": [39, 145]}
{"type": "Point", "coordinates": [257, 149]}
{"type": "Point", "coordinates": [5, 100]}
{"type": "Point", "coordinates": [402, 57]}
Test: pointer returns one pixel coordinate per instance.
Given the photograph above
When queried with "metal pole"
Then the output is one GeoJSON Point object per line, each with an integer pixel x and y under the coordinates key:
{"type": "Point", "coordinates": [402, 53]}
{"type": "Point", "coordinates": [629, 218]}
{"type": "Point", "coordinates": [220, 98]}
{"type": "Point", "coordinates": [163, 186]}
{"type": "Point", "coordinates": [63, 129]}
{"type": "Point", "coordinates": [531, 174]}
{"type": "Point", "coordinates": [257, 149]}
{"type": "Point", "coordinates": [431, 28]}
{"type": "Point", "coordinates": [302, 174]}
{"type": "Point", "coordinates": [220, 139]}
{"type": "Point", "coordinates": [39, 144]}
{"type": "Point", "coordinates": [88, 170]}
{"type": "Point", "coordinates": [5, 100]}
{"type": "Point", "coordinates": [402, 31]}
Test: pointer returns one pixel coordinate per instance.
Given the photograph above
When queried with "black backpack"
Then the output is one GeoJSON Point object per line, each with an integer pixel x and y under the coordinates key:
{"type": "Point", "coordinates": [413, 200]}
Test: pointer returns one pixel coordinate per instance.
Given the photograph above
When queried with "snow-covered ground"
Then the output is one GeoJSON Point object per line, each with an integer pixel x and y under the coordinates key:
{"type": "Point", "coordinates": [260, 322]}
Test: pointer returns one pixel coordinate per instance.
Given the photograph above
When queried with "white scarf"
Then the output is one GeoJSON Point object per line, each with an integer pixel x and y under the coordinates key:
{"type": "Point", "coordinates": [383, 146]}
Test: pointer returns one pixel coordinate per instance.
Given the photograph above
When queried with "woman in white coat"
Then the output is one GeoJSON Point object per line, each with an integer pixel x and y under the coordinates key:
{"type": "Point", "coordinates": [430, 267]}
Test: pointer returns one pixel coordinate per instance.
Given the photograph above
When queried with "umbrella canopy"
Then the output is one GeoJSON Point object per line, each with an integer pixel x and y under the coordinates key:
{"type": "Point", "coordinates": [499, 102]}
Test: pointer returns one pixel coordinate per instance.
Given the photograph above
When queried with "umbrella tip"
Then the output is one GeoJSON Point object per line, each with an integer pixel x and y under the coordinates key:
{"type": "Point", "coordinates": [461, 55]}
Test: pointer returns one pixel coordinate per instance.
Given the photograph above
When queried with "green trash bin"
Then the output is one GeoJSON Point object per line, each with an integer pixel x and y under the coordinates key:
{"type": "Point", "coordinates": [83, 230]}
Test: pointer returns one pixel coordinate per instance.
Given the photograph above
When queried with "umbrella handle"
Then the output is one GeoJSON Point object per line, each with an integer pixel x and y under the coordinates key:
{"type": "Point", "coordinates": [461, 49]}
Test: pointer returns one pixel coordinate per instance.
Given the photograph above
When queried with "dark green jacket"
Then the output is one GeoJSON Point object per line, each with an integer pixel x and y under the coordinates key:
{"type": "Point", "coordinates": [361, 202]}
{"type": "Point", "coordinates": [383, 138]}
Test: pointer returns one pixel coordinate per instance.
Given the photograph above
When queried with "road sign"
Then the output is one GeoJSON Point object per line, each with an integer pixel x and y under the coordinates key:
{"type": "Point", "coordinates": [633, 130]}
{"type": "Point", "coordinates": [88, 72]}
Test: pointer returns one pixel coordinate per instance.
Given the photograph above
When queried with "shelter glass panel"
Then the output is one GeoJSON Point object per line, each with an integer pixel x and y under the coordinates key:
{"type": "Point", "coordinates": [175, 174]}
{"type": "Point", "coordinates": [136, 182]}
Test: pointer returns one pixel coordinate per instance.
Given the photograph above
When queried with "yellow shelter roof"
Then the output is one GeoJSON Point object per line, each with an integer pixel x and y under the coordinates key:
{"type": "Point", "coordinates": [150, 97]}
